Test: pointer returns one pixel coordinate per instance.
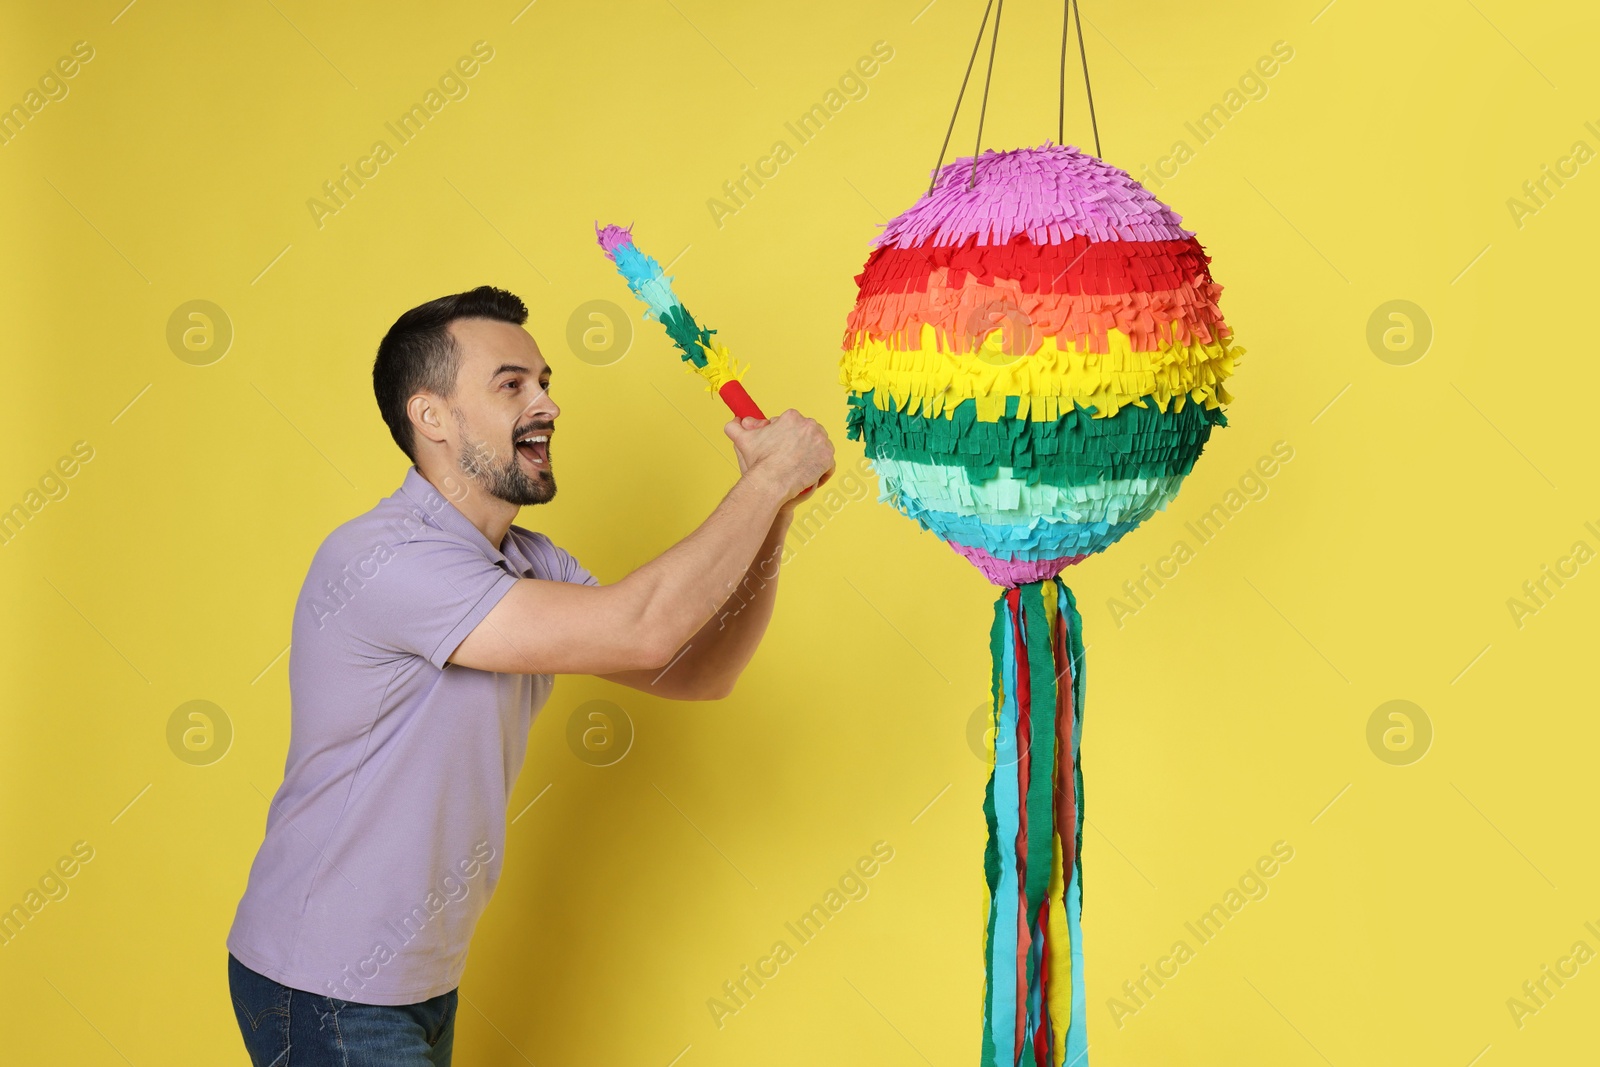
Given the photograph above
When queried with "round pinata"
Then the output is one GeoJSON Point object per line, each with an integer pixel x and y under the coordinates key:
{"type": "Point", "coordinates": [1036, 361]}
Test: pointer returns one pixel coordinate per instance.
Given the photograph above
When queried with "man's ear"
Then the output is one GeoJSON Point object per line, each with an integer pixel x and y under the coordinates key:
{"type": "Point", "coordinates": [426, 412]}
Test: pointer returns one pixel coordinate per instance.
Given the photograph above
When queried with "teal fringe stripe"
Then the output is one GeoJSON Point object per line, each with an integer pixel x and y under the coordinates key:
{"type": "Point", "coordinates": [1041, 782]}
{"type": "Point", "coordinates": [991, 851]}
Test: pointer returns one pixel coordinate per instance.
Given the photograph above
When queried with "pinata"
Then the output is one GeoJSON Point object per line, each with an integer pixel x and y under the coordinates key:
{"type": "Point", "coordinates": [1034, 362]}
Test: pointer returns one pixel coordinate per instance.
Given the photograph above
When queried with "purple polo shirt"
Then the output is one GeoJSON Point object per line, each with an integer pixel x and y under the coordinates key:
{"type": "Point", "coordinates": [383, 844]}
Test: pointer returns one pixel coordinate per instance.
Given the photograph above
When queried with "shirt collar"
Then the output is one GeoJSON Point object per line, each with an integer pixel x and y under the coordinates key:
{"type": "Point", "coordinates": [438, 510]}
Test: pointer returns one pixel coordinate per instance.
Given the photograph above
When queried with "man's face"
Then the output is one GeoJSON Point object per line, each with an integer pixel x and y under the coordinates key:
{"type": "Point", "coordinates": [503, 412]}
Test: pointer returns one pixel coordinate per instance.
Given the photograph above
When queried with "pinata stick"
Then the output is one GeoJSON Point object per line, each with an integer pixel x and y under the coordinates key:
{"type": "Point", "coordinates": [708, 358]}
{"type": "Point", "coordinates": [738, 401]}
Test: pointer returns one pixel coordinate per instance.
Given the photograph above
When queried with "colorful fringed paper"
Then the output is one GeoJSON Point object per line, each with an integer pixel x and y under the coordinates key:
{"type": "Point", "coordinates": [1034, 364]}
{"type": "Point", "coordinates": [705, 357]}
{"type": "Point", "coordinates": [1034, 1002]}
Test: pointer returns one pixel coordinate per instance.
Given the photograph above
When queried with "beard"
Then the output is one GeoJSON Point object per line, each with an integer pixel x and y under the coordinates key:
{"type": "Point", "coordinates": [506, 481]}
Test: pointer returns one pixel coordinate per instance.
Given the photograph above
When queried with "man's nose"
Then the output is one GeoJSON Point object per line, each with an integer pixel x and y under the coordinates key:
{"type": "Point", "coordinates": [541, 405]}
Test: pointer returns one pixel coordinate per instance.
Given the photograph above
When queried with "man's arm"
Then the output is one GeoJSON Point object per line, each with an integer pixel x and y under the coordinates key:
{"type": "Point", "coordinates": [640, 623]}
{"type": "Point", "coordinates": [709, 664]}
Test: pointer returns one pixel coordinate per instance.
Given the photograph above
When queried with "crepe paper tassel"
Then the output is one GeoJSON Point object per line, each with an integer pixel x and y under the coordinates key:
{"type": "Point", "coordinates": [1033, 998]}
{"type": "Point", "coordinates": [1034, 363]}
{"type": "Point", "coordinates": [708, 358]}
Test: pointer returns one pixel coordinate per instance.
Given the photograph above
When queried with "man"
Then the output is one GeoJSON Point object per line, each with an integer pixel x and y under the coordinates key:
{"type": "Point", "coordinates": [424, 641]}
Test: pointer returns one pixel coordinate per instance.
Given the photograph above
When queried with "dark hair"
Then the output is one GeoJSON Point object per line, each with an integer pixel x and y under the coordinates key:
{"type": "Point", "coordinates": [418, 352]}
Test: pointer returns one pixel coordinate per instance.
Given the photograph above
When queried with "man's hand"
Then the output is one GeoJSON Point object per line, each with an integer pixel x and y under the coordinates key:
{"type": "Point", "coordinates": [790, 451]}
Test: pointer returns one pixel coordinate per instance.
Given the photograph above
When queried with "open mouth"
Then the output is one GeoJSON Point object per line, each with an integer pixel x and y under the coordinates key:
{"type": "Point", "coordinates": [535, 448]}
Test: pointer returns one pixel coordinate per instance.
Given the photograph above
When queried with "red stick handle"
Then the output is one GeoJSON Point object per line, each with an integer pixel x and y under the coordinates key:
{"type": "Point", "coordinates": [739, 401]}
{"type": "Point", "coordinates": [741, 405]}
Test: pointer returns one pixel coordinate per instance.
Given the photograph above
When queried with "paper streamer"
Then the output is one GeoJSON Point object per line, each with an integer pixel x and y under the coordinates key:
{"type": "Point", "coordinates": [1033, 1006]}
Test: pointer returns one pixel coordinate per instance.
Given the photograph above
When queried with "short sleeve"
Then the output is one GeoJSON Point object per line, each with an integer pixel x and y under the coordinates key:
{"type": "Point", "coordinates": [422, 596]}
{"type": "Point", "coordinates": [552, 562]}
{"type": "Point", "coordinates": [573, 571]}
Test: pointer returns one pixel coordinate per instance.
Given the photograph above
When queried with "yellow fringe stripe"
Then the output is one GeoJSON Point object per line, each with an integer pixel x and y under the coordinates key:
{"type": "Point", "coordinates": [1059, 996]}
{"type": "Point", "coordinates": [720, 368]}
{"type": "Point", "coordinates": [928, 380]}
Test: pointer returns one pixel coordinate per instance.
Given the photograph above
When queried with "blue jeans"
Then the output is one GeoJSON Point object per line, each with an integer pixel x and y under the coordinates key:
{"type": "Point", "coordinates": [286, 1027]}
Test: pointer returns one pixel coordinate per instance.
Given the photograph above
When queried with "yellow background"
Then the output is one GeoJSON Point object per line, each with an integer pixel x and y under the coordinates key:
{"type": "Point", "coordinates": [1229, 713]}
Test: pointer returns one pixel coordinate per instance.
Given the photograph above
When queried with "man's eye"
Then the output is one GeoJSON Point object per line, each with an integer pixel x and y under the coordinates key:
{"type": "Point", "coordinates": [512, 383]}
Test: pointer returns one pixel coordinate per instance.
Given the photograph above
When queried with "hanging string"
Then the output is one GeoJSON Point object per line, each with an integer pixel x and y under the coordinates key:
{"type": "Point", "coordinates": [1084, 56]}
{"type": "Point", "coordinates": [994, 39]}
{"type": "Point", "coordinates": [942, 148]}
{"type": "Point", "coordinates": [1061, 110]}
{"type": "Point", "coordinates": [1070, 8]}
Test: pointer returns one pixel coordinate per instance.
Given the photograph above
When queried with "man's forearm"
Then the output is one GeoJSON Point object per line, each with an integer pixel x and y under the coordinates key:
{"type": "Point", "coordinates": [681, 589]}
{"type": "Point", "coordinates": [750, 606]}
{"type": "Point", "coordinates": [712, 660]}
